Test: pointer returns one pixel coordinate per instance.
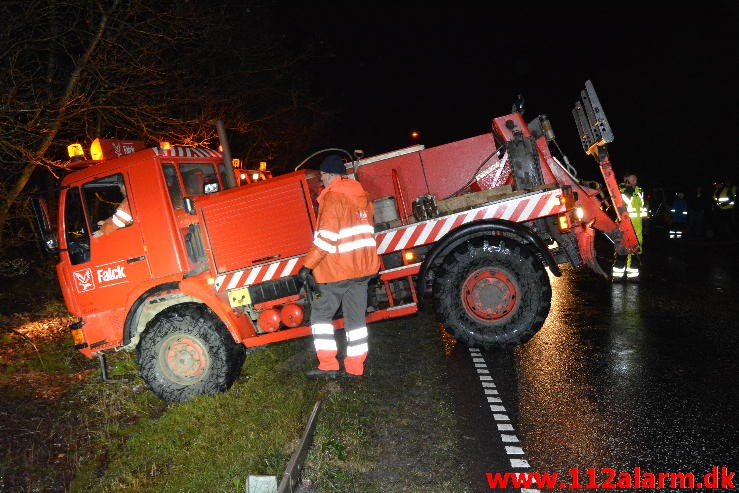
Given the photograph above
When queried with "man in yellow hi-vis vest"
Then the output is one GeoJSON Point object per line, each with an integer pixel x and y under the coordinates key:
{"type": "Point", "coordinates": [633, 196]}
{"type": "Point", "coordinates": [724, 199]}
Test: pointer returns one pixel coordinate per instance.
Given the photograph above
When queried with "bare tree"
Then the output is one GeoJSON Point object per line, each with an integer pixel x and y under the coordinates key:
{"type": "Point", "coordinates": [80, 69]}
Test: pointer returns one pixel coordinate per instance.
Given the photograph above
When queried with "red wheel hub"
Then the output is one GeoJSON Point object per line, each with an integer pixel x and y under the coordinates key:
{"type": "Point", "coordinates": [186, 358]}
{"type": "Point", "coordinates": [489, 295]}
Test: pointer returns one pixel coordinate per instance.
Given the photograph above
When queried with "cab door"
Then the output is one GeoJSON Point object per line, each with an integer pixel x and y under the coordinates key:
{"type": "Point", "coordinates": [103, 269]}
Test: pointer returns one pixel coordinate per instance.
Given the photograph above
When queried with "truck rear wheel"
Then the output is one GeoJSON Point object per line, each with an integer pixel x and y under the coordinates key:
{"type": "Point", "coordinates": [187, 351]}
{"type": "Point", "coordinates": [492, 294]}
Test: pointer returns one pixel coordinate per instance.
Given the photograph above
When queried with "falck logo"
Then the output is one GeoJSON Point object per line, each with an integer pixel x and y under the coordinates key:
{"type": "Point", "coordinates": [83, 280]}
{"type": "Point", "coordinates": [122, 149]}
{"type": "Point", "coordinates": [117, 149]}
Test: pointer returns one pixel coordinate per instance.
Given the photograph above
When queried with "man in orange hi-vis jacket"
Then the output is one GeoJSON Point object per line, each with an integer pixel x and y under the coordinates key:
{"type": "Point", "coordinates": [120, 219]}
{"type": "Point", "coordinates": [342, 260]}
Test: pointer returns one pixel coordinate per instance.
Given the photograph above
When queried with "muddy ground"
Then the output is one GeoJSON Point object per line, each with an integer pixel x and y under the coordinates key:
{"type": "Point", "coordinates": [405, 382]}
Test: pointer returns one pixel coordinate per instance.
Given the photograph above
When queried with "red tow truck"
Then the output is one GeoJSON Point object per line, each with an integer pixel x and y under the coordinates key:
{"type": "Point", "coordinates": [208, 268]}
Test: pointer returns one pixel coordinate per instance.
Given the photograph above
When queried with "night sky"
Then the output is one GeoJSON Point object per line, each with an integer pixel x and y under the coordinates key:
{"type": "Point", "coordinates": [667, 79]}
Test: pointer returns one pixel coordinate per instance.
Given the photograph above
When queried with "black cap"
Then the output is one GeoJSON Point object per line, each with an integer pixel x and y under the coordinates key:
{"type": "Point", "coordinates": [333, 164]}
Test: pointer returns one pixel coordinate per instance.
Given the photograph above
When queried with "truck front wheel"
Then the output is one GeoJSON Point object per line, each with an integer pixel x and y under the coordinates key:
{"type": "Point", "coordinates": [492, 293]}
{"type": "Point", "coordinates": [187, 351]}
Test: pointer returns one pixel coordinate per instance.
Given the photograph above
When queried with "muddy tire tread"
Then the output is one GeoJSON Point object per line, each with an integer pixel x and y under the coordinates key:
{"type": "Point", "coordinates": [195, 320]}
{"type": "Point", "coordinates": [530, 275]}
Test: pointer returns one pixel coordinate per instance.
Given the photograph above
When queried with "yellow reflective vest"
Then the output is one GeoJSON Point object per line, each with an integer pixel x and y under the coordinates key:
{"type": "Point", "coordinates": [725, 198]}
{"type": "Point", "coordinates": [636, 207]}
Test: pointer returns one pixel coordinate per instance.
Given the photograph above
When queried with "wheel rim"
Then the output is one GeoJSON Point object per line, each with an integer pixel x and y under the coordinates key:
{"type": "Point", "coordinates": [184, 359]}
{"type": "Point", "coordinates": [489, 295]}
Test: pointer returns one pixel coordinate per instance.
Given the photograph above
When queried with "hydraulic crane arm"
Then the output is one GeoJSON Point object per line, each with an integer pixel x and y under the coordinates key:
{"type": "Point", "coordinates": [595, 135]}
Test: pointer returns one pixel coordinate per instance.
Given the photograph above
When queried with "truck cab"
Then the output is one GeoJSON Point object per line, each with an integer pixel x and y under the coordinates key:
{"type": "Point", "coordinates": [103, 273]}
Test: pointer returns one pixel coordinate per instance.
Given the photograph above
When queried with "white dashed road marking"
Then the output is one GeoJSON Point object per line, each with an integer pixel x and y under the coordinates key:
{"type": "Point", "coordinates": [514, 452]}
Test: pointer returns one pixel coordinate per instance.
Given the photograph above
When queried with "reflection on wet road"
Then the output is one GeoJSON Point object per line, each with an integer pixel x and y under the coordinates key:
{"type": "Point", "coordinates": [620, 376]}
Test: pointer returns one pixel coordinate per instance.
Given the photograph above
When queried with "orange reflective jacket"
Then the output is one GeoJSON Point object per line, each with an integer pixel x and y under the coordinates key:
{"type": "Point", "coordinates": [120, 219]}
{"type": "Point", "coordinates": [344, 243]}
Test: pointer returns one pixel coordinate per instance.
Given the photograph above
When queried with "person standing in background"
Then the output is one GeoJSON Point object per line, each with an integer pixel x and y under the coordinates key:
{"type": "Point", "coordinates": [724, 197]}
{"type": "Point", "coordinates": [679, 212]}
{"type": "Point", "coordinates": [633, 197]}
{"type": "Point", "coordinates": [699, 207]}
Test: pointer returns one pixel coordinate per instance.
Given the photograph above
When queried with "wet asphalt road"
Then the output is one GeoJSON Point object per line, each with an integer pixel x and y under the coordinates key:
{"type": "Point", "coordinates": [620, 376]}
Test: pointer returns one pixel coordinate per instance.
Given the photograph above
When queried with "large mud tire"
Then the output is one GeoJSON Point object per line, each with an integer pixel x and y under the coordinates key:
{"type": "Point", "coordinates": [492, 294]}
{"type": "Point", "coordinates": [187, 351]}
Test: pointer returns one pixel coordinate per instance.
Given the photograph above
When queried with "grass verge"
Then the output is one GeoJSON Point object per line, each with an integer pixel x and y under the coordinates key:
{"type": "Point", "coordinates": [213, 443]}
{"type": "Point", "coordinates": [65, 430]}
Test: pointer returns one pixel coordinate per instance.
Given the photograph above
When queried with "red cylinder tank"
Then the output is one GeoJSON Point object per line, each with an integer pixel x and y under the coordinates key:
{"type": "Point", "coordinates": [291, 315]}
{"type": "Point", "coordinates": [269, 320]}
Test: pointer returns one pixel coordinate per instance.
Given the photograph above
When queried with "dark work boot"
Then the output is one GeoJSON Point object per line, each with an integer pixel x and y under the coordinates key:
{"type": "Point", "coordinates": [352, 376]}
{"type": "Point", "coordinates": [317, 374]}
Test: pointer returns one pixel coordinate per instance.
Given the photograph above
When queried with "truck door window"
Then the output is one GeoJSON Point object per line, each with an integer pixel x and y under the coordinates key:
{"type": "Point", "coordinates": [173, 185]}
{"type": "Point", "coordinates": [102, 197]}
{"type": "Point", "coordinates": [75, 228]}
{"type": "Point", "coordinates": [199, 179]}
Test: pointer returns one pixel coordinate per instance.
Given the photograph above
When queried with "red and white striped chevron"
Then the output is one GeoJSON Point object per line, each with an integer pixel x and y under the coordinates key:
{"type": "Point", "coordinates": [517, 209]}
{"type": "Point", "coordinates": [258, 274]}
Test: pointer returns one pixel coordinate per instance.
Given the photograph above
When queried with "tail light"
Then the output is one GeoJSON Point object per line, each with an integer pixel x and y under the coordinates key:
{"type": "Point", "coordinates": [563, 222]}
{"type": "Point", "coordinates": [408, 257]}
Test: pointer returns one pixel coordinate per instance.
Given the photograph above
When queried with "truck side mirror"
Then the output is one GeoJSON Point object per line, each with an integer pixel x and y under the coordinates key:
{"type": "Point", "coordinates": [210, 186]}
{"type": "Point", "coordinates": [189, 204]}
{"type": "Point", "coordinates": [48, 237]}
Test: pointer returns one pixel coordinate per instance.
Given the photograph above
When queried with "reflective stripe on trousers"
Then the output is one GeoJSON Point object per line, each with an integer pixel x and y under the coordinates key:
{"type": "Point", "coordinates": [351, 296]}
{"type": "Point", "coordinates": [325, 344]}
{"type": "Point", "coordinates": [626, 264]}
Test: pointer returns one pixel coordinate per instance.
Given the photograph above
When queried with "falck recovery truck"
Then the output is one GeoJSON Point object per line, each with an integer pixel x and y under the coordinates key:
{"type": "Point", "coordinates": [207, 268]}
